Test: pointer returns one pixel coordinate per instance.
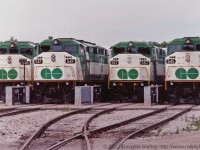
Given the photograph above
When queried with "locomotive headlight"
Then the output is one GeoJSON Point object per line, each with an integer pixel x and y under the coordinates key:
{"type": "Point", "coordinates": [9, 60]}
{"type": "Point", "coordinates": [53, 57]}
{"type": "Point", "coordinates": [187, 58]}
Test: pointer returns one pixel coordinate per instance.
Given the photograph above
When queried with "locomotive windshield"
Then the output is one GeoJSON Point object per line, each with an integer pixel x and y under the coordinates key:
{"type": "Point", "coordinates": [26, 51]}
{"type": "Point", "coordinates": [44, 48]}
{"type": "Point", "coordinates": [14, 50]}
{"type": "Point", "coordinates": [188, 47]}
{"type": "Point", "coordinates": [101, 51]}
{"type": "Point", "coordinates": [144, 50]}
{"type": "Point", "coordinates": [119, 50]}
{"type": "Point", "coordinates": [131, 49]}
{"type": "Point", "coordinates": [174, 48]}
{"type": "Point", "coordinates": [57, 48]}
{"type": "Point", "coordinates": [198, 47]}
{"type": "Point", "coordinates": [70, 49]}
{"type": "Point", "coordinates": [3, 50]}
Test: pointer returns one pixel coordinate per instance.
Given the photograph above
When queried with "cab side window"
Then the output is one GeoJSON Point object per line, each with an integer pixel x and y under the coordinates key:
{"type": "Point", "coordinates": [3, 50]}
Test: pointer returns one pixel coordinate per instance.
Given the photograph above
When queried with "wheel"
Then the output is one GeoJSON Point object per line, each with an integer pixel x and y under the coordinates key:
{"type": "Point", "coordinates": [173, 98]}
{"type": "Point", "coordinates": [197, 99]}
{"type": "Point", "coordinates": [117, 97]}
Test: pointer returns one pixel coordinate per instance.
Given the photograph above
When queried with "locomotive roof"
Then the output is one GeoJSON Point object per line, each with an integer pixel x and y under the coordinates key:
{"type": "Point", "coordinates": [183, 40]}
{"type": "Point", "coordinates": [72, 40]}
{"type": "Point", "coordinates": [17, 43]}
{"type": "Point", "coordinates": [138, 44]}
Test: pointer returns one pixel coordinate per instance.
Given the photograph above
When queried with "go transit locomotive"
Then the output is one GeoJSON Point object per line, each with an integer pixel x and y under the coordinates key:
{"type": "Point", "coordinates": [134, 65]}
{"type": "Point", "coordinates": [15, 64]}
{"type": "Point", "coordinates": [64, 63]}
{"type": "Point", "coordinates": [182, 80]}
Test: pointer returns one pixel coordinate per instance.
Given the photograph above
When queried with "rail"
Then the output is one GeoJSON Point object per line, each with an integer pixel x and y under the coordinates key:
{"type": "Point", "coordinates": [119, 142]}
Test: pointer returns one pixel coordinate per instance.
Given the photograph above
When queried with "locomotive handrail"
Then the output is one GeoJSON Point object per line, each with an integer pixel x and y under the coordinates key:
{"type": "Point", "coordinates": [35, 69]}
{"type": "Point", "coordinates": [129, 80]}
{"type": "Point", "coordinates": [109, 80]}
{"type": "Point", "coordinates": [73, 75]}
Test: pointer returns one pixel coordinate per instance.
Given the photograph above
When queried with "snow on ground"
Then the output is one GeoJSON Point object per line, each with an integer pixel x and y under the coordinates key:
{"type": "Point", "coordinates": [22, 126]}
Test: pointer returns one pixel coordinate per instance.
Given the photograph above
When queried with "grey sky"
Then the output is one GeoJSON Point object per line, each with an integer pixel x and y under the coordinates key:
{"type": "Point", "coordinates": [102, 21]}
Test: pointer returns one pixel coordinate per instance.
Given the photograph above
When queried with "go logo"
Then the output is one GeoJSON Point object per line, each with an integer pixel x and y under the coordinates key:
{"type": "Point", "coordinates": [11, 74]}
{"type": "Point", "coordinates": [47, 74]}
{"type": "Point", "coordinates": [192, 73]}
{"type": "Point", "coordinates": [124, 74]}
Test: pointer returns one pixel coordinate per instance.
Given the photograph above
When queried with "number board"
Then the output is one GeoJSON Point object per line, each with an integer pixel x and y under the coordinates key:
{"type": "Point", "coordinates": [170, 61]}
{"type": "Point", "coordinates": [144, 62]}
{"type": "Point", "coordinates": [70, 61]}
{"type": "Point", "coordinates": [38, 61]}
{"type": "Point", "coordinates": [26, 63]}
{"type": "Point", "coordinates": [114, 62]}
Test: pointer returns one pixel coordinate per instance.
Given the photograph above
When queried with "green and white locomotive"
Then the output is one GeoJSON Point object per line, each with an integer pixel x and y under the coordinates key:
{"type": "Point", "coordinates": [134, 65]}
{"type": "Point", "coordinates": [15, 64]}
{"type": "Point", "coordinates": [64, 63]}
{"type": "Point", "coordinates": [182, 80]}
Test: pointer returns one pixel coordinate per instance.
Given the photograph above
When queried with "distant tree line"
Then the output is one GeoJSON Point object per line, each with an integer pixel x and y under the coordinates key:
{"type": "Point", "coordinates": [163, 44]}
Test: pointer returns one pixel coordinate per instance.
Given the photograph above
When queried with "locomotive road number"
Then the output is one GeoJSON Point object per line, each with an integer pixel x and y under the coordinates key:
{"type": "Point", "coordinates": [26, 63]}
{"type": "Point", "coordinates": [70, 61]}
{"type": "Point", "coordinates": [144, 62]}
{"type": "Point", "coordinates": [170, 61]}
{"type": "Point", "coordinates": [114, 62]}
{"type": "Point", "coordinates": [38, 61]}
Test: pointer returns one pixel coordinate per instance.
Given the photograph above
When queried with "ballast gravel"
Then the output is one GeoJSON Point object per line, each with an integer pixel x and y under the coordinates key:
{"type": "Point", "coordinates": [183, 124]}
{"type": "Point", "coordinates": [22, 126]}
{"type": "Point", "coordinates": [116, 116]}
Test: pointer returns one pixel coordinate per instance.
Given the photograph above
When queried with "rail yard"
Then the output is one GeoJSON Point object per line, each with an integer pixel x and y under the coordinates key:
{"type": "Point", "coordinates": [66, 93]}
{"type": "Point", "coordinates": [97, 126]}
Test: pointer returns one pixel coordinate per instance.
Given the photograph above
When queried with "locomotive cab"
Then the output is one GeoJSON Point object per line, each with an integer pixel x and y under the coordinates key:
{"type": "Point", "coordinates": [133, 66]}
{"type": "Point", "coordinates": [15, 64]}
{"type": "Point", "coordinates": [182, 70]}
{"type": "Point", "coordinates": [64, 63]}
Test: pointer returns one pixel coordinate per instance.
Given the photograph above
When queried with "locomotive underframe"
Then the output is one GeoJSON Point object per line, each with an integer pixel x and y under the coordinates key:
{"type": "Point", "coordinates": [177, 91]}
{"type": "Point", "coordinates": [128, 91]}
{"type": "Point", "coordinates": [60, 92]}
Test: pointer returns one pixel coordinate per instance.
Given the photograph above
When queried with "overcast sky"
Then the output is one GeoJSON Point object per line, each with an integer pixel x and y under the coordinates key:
{"type": "Point", "coordinates": [102, 21]}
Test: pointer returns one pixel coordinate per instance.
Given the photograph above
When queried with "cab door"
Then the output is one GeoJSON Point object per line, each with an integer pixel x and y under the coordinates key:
{"type": "Point", "coordinates": [83, 60]}
{"type": "Point", "coordinates": [101, 61]}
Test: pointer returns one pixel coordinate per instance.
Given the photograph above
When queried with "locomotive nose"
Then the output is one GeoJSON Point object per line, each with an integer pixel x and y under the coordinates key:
{"type": "Point", "coordinates": [130, 67]}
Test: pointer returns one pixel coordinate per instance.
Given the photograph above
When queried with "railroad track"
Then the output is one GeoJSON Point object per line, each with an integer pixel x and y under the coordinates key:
{"type": "Point", "coordinates": [88, 130]}
{"type": "Point", "coordinates": [53, 130]}
{"type": "Point", "coordinates": [13, 111]}
{"type": "Point", "coordinates": [52, 138]}
{"type": "Point", "coordinates": [126, 129]}
{"type": "Point", "coordinates": [143, 126]}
